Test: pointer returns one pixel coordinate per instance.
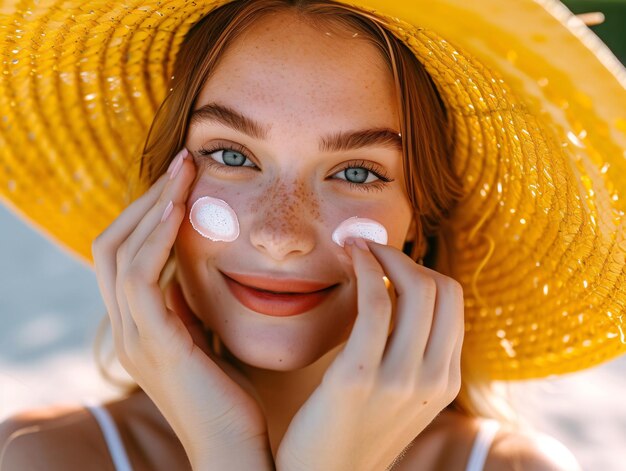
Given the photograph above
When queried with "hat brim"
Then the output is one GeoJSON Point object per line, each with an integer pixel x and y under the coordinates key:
{"type": "Point", "coordinates": [537, 103]}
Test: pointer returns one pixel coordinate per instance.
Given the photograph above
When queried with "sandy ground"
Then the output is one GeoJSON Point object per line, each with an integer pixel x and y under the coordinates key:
{"type": "Point", "coordinates": [50, 307]}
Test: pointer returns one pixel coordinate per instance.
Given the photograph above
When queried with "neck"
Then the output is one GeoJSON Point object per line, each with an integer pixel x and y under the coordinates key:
{"type": "Point", "coordinates": [282, 393]}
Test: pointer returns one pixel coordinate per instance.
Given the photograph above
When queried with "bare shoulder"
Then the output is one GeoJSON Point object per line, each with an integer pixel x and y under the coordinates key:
{"type": "Point", "coordinates": [65, 438]}
{"type": "Point", "coordinates": [446, 444]}
{"type": "Point", "coordinates": [530, 451]}
{"type": "Point", "coordinates": [41, 439]}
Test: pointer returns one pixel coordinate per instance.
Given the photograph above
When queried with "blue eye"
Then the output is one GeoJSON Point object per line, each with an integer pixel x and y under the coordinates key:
{"type": "Point", "coordinates": [230, 157]}
{"type": "Point", "coordinates": [358, 175]}
{"type": "Point", "coordinates": [234, 157]}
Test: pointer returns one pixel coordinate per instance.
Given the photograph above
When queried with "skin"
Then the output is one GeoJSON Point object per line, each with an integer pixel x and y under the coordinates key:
{"type": "Point", "coordinates": [301, 86]}
{"type": "Point", "coordinates": [287, 212]}
{"type": "Point", "coordinates": [228, 417]}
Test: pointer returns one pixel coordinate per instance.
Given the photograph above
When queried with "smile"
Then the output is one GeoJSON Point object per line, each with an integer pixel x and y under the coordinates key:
{"type": "Point", "coordinates": [274, 303]}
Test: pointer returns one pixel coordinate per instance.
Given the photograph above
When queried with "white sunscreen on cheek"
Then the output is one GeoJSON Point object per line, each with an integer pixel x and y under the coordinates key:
{"type": "Point", "coordinates": [214, 219]}
{"type": "Point", "coordinates": [360, 227]}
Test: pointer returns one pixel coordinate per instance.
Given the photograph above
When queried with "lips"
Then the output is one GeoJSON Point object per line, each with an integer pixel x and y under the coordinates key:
{"type": "Point", "coordinates": [277, 297]}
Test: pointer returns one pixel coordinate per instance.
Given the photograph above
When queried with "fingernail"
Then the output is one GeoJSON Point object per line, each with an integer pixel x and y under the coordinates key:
{"type": "Point", "coordinates": [177, 163]}
{"type": "Point", "coordinates": [168, 210]}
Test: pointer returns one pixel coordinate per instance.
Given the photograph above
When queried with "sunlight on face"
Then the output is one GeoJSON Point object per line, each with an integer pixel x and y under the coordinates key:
{"type": "Point", "coordinates": [288, 183]}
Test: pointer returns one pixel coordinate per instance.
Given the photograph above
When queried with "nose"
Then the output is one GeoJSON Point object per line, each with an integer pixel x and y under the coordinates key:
{"type": "Point", "coordinates": [284, 221]}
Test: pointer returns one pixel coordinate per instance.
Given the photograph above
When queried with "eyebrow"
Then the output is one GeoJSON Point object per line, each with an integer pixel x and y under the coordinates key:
{"type": "Point", "coordinates": [335, 142]}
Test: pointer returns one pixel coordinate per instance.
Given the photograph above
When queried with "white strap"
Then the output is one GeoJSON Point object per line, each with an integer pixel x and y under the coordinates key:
{"type": "Point", "coordinates": [111, 436]}
{"type": "Point", "coordinates": [482, 443]}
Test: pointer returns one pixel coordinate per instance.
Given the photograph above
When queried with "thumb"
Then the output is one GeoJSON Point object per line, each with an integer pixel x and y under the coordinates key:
{"type": "Point", "coordinates": [176, 302]}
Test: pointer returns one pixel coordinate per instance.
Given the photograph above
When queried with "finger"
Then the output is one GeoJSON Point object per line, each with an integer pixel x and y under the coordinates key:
{"type": "Point", "coordinates": [175, 191]}
{"type": "Point", "coordinates": [448, 324]}
{"type": "Point", "coordinates": [364, 348]}
{"type": "Point", "coordinates": [119, 230]}
{"type": "Point", "coordinates": [130, 331]}
{"type": "Point", "coordinates": [454, 375]}
{"type": "Point", "coordinates": [416, 289]}
{"type": "Point", "coordinates": [144, 298]}
{"type": "Point", "coordinates": [104, 249]}
{"type": "Point", "coordinates": [176, 302]}
{"type": "Point", "coordinates": [106, 284]}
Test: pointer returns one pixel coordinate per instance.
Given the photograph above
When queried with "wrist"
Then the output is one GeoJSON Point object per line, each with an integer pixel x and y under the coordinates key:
{"type": "Point", "coordinates": [234, 460]}
{"type": "Point", "coordinates": [234, 456]}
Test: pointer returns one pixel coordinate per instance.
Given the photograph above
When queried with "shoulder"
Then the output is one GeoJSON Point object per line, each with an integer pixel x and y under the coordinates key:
{"type": "Point", "coordinates": [65, 438]}
{"type": "Point", "coordinates": [530, 451]}
{"type": "Point", "coordinates": [42, 438]}
{"type": "Point", "coordinates": [446, 444]}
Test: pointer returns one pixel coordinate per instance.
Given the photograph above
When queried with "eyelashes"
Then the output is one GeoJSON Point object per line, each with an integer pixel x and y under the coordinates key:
{"type": "Point", "coordinates": [378, 185]}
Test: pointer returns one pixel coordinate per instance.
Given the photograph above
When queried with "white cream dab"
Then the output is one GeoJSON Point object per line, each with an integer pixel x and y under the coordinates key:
{"type": "Point", "coordinates": [360, 227]}
{"type": "Point", "coordinates": [214, 219]}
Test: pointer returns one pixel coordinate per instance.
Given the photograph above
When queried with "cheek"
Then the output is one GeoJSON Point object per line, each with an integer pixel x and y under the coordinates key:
{"type": "Point", "coordinates": [210, 214]}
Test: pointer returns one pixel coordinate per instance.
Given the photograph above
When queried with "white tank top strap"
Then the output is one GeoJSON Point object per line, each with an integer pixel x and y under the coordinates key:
{"type": "Point", "coordinates": [111, 436]}
{"type": "Point", "coordinates": [482, 443]}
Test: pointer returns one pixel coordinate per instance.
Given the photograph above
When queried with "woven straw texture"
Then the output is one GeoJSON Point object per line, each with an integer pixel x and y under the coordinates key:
{"type": "Point", "coordinates": [539, 238]}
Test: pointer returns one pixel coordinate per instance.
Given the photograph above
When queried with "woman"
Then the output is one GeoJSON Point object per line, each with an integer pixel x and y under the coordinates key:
{"type": "Point", "coordinates": [322, 105]}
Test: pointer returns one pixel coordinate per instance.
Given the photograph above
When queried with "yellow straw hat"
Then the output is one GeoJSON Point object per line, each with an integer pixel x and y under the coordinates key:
{"type": "Point", "coordinates": [536, 102]}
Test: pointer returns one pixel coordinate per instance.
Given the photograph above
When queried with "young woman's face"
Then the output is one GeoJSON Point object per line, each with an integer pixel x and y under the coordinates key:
{"type": "Point", "coordinates": [287, 186]}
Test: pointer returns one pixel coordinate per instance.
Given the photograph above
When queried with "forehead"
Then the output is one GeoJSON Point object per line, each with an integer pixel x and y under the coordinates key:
{"type": "Point", "coordinates": [287, 70]}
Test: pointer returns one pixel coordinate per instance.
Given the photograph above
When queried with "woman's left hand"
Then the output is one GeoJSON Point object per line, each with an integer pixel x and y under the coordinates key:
{"type": "Point", "coordinates": [380, 393]}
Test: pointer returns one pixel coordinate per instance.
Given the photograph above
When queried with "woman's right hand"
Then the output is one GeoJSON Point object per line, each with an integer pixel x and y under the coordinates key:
{"type": "Point", "coordinates": [209, 404]}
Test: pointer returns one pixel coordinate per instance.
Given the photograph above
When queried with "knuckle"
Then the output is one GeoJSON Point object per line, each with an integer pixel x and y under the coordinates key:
{"type": "Point", "coordinates": [162, 200]}
{"type": "Point", "coordinates": [428, 281]}
{"type": "Point", "coordinates": [425, 282]}
{"type": "Point", "coordinates": [456, 288]}
{"type": "Point", "coordinates": [454, 384]}
{"type": "Point", "coordinates": [99, 247]}
{"type": "Point", "coordinates": [95, 247]}
{"type": "Point", "coordinates": [456, 291]}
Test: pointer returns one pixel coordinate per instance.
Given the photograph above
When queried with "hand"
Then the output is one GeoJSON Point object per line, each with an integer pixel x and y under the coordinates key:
{"type": "Point", "coordinates": [379, 393]}
{"type": "Point", "coordinates": [209, 404]}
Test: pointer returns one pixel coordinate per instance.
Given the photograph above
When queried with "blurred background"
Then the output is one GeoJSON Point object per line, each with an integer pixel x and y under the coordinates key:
{"type": "Point", "coordinates": [50, 308]}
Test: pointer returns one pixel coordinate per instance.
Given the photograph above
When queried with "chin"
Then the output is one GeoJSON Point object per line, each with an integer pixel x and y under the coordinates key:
{"type": "Point", "coordinates": [273, 351]}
